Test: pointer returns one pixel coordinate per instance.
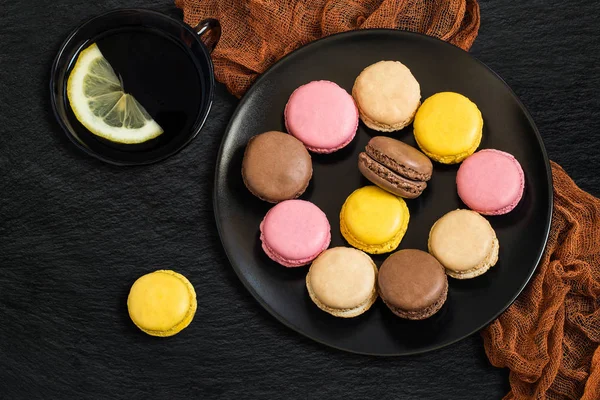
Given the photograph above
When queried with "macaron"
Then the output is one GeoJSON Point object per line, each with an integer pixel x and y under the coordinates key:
{"type": "Point", "coordinates": [413, 284]}
{"type": "Point", "coordinates": [342, 282]}
{"type": "Point", "coordinates": [395, 167]}
{"type": "Point", "coordinates": [321, 115]}
{"type": "Point", "coordinates": [448, 127]}
{"type": "Point", "coordinates": [276, 167]}
{"type": "Point", "coordinates": [162, 303]}
{"type": "Point", "coordinates": [490, 182]}
{"type": "Point", "coordinates": [387, 95]}
{"type": "Point", "coordinates": [465, 243]}
{"type": "Point", "coordinates": [374, 220]}
{"type": "Point", "coordinates": [294, 232]}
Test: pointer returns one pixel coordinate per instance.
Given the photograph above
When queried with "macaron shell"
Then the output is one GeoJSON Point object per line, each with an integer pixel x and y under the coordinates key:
{"type": "Point", "coordinates": [342, 282]}
{"type": "Point", "coordinates": [294, 232]}
{"type": "Point", "coordinates": [462, 240]}
{"type": "Point", "coordinates": [387, 95]}
{"type": "Point", "coordinates": [448, 127]}
{"type": "Point", "coordinates": [490, 182]}
{"type": "Point", "coordinates": [321, 115]}
{"type": "Point", "coordinates": [162, 303]}
{"type": "Point", "coordinates": [276, 166]}
{"type": "Point", "coordinates": [411, 280]}
{"type": "Point", "coordinates": [374, 220]}
{"type": "Point", "coordinates": [481, 269]}
{"type": "Point", "coordinates": [342, 278]}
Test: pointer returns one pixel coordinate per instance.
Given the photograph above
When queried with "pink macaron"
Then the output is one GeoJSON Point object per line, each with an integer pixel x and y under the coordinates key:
{"type": "Point", "coordinates": [490, 182]}
{"type": "Point", "coordinates": [295, 232]}
{"type": "Point", "coordinates": [321, 115]}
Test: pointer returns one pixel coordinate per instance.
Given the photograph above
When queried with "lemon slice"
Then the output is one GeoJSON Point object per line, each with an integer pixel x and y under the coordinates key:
{"type": "Point", "coordinates": [100, 104]}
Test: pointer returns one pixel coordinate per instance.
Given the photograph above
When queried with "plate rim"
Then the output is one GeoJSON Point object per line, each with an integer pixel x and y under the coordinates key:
{"type": "Point", "coordinates": [280, 318]}
{"type": "Point", "coordinates": [54, 70]}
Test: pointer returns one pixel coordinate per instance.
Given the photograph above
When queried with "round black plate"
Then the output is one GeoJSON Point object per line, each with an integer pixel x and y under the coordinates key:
{"type": "Point", "coordinates": [438, 66]}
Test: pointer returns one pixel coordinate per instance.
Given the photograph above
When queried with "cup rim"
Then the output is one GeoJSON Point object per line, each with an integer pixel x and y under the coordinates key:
{"type": "Point", "coordinates": [203, 111]}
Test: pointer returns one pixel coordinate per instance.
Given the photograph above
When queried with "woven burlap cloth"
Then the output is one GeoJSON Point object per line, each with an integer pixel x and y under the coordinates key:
{"type": "Point", "coordinates": [549, 337]}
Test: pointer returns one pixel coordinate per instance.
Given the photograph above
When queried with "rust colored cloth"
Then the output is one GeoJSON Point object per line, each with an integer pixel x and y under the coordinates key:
{"type": "Point", "coordinates": [549, 337]}
{"type": "Point", "coordinates": [256, 33]}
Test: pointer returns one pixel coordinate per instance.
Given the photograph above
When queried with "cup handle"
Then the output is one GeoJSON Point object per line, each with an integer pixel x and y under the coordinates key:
{"type": "Point", "coordinates": [209, 30]}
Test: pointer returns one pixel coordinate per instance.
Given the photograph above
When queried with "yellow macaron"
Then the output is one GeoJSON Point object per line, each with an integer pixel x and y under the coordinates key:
{"type": "Point", "coordinates": [162, 303]}
{"type": "Point", "coordinates": [374, 220]}
{"type": "Point", "coordinates": [448, 127]}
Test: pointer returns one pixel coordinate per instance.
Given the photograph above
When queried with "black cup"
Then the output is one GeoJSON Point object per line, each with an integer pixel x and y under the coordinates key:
{"type": "Point", "coordinates": [164, 63]}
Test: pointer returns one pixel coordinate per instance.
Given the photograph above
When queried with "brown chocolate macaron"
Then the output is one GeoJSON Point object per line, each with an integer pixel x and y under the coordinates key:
{"type": "Point", "coordinates": [276, 167]}
{"type": "Point", "coordinates": [395, 166]}
{"type": "Point", "coordinates": [413, 284]}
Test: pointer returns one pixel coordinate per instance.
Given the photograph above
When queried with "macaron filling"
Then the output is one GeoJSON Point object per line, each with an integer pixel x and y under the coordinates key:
{"type": "Point", "coordinates": [385, 173]}
{"type": "Point", "coordinates": [395, 166]}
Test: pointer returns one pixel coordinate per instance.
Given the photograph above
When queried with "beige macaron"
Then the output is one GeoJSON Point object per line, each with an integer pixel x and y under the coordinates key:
{"type": "Point", "coordinates": [387, 96]}
{"type": "Point", "coordinates": [342, 282]}
{"type": "Point", "coordinates": [465, 243]}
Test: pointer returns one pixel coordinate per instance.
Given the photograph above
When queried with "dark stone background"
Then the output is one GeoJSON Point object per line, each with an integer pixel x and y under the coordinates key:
{"type": "Point", "coordinates": [75, 233]}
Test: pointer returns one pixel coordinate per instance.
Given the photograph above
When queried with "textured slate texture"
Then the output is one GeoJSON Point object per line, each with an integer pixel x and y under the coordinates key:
{"type": "Point", "coordinates": [75, 233]}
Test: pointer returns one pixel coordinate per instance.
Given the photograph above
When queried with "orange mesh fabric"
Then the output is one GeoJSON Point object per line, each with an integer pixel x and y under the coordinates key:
{"type": "Point", "coordinates": [256, 33]}
{"type": "Point", "coordinates": [549, 337]}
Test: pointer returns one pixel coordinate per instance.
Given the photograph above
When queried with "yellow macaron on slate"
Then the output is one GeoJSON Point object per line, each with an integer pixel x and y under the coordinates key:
{"type": "Point", "coordinates": [448, 127]}
{"type": "Point", "coordinates": [162, 303]}
{"type": "Point", "coordinates": [374, 220]}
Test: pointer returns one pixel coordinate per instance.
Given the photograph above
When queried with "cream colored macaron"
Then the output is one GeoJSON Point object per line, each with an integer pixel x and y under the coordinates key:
{"type": "Point", "coordinates": [342, 282]}
{"type": "Point", "coordinates": [465, 243]}
{"type": "Point", "coordinates": [387, 96]}
{"type": "Point", "coordinates": [162, 303]}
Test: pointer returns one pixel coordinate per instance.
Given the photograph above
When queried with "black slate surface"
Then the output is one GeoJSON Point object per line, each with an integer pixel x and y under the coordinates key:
{"type": "Point", "coordinates": [75, 233]}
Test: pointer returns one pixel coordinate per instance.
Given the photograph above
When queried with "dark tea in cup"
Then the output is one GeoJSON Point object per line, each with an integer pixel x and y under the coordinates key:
{"type": "Point", "coordinates": [159, 61]}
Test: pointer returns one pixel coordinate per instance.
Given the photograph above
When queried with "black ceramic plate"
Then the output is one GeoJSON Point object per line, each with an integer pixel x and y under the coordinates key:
{"type": "Point", "coordinates": [438, 66]}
